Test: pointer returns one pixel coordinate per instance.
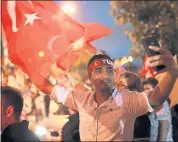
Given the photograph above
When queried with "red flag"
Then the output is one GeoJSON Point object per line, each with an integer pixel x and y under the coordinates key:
{"type": "Point", "coordinates": [93, 31]}
{"type": "Point", "coordinates": [146, 70]}
{"type": "Point", "coordinates": [38, 34]}
{"type": "Point", "coordinates": [36, 37]}
{"type": "Point", "coordinates": [65, 61]}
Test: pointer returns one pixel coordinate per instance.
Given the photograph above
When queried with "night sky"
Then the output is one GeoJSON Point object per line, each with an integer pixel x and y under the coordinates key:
{"type": "Point", "coordinates": [117, 44]}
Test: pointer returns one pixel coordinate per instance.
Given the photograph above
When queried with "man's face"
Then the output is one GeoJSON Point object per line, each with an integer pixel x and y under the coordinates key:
{"type": "Point", "coordinates": [147, 87]}
{"type": "Point", "coordinates": [103, 77]}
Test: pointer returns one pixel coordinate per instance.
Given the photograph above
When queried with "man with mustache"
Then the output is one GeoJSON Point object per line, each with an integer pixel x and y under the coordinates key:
{"type": "Point", "coordinates": [107, 114]}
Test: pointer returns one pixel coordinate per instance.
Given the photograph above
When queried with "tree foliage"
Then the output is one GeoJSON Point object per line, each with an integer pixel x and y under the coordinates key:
{"type": "Point", "coordinates": [79, 68]}
{"type": "Point", "coordinates": [147, 18]}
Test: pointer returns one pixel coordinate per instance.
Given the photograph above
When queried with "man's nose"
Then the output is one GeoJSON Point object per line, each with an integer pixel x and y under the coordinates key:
{"type": "Point", "coordinates": [104, 74]}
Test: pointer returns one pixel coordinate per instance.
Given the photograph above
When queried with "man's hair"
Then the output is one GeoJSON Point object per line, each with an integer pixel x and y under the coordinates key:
{"type": "Point", "coordinates": [99, 56]}
{"type": "Point", "coordinates": [152, 81]}
{"type": "Point", "coordinates": [12, 97]}
{"type": "Point", "coordinates": [136, 85]}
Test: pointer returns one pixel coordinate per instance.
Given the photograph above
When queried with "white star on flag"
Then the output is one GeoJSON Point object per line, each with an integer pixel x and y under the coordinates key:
{"type": "Point", "coordinates": [31, 18]}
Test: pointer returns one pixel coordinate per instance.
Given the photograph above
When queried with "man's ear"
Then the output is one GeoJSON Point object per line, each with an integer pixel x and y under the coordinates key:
{"type": "Point", "coordinates": [90, 78]}
{"type": "Point", "coordinates": [115, 74]}
{"type": "Point", "coordinates": [9, 111]}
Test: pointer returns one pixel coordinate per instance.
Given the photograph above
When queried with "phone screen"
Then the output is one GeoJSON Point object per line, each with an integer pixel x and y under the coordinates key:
{"type": "Point", "coordinates": [151, 41]}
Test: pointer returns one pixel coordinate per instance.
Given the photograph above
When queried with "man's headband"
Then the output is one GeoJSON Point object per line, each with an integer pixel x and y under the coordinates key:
{"type": "Point", "coordinates": [97, 63]}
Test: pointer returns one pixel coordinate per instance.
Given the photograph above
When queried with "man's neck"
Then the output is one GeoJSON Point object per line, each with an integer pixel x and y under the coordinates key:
{"type": "Point", "coordinates": [11, 122]}
{"type": "Point", "coordinates": [102, 96]}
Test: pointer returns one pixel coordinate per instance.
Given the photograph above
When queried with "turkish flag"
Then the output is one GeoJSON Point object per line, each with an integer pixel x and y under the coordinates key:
{"type": "Point", "coordinates": [93, 31]}
{"type": "Point", "coordinates": [146, 70]}
{"type": "Point", "coordinates": [39, 33]}
{"type": "Point", "coordinates": [65, 61]}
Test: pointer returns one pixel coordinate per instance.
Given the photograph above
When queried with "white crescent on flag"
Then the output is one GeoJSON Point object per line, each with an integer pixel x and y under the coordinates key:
{"type": "Point", "coordinates": [50, 45]}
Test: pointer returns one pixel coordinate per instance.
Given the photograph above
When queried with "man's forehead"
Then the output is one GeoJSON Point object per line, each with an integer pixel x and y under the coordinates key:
{"type": "Point", "coordinates": [98, 63]}
{"type": "Point", "coordinates": [102, 61]}
{"type": "Point", "coordinates": [105, 66]}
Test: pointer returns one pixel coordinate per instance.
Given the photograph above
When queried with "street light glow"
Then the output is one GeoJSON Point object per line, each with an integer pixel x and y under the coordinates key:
{"type": "Point", "coordinates": [130, 59]}
{"type": "Point", "coordinates": [68, 9]}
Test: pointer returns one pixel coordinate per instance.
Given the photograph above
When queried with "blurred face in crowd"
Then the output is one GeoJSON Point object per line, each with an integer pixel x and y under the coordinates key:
{"type": "Point", "coordinates": [103, 76]}
{"type": "Point", "coordinates": [123, 80]}
{"type": "Point", "coordinates": [147, 87]}
{"type": "Point", "coordinates": [128, 80]}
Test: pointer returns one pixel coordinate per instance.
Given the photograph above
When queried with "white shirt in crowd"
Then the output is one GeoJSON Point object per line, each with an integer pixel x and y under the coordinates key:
{"type": "Point", "coordinates": [163, 114]}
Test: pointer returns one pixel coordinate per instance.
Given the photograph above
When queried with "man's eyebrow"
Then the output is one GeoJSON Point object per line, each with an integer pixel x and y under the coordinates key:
{"type": "Point", "coordinates": [110, 67]}
{"type": "Point", "coordinates": [98, 68]}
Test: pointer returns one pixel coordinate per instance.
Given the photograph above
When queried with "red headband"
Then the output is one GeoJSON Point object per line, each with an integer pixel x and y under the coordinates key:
{"type": "Point", "coordinates": [97, 63]}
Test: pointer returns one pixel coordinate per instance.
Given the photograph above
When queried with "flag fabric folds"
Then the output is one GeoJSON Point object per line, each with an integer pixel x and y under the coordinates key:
{"type": "Point", "coordinates": [39, 34]}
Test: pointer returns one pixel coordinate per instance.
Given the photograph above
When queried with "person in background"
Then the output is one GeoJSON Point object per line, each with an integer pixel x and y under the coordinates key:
{"type": "Point", "coordinates": [39, 106]}
{"type": "Point", "coordinates": [174, 113]}
{"type": "Point", "coordinates": [130, 80]}
{"type": "Point", "coordinates": [161, 120]}
{"type": "Point", "coordinates": [12, 129]}
{"type": "Point", "coordinates": [70, 131]}
{"type": "Point", "coordinates": [47, 104]}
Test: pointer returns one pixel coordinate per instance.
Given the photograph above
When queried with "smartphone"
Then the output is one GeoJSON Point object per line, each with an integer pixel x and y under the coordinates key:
{"type": "Point", "coordinates": [152, 40]}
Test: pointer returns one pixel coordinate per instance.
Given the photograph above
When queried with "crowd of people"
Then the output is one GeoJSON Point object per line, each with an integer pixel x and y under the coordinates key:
{"type": "Point", "coordinates": [110, 105]}
{"type": "Point", "coordinates": [36, 103]}
{"type": "Point", "coordinates": [117, 108]}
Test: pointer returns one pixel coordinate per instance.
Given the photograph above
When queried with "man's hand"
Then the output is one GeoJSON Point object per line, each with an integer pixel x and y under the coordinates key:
{"type": "Point", "coordinates": [53, 95]}
{"type": "Point", "coordinates": [167, 81]}
{"type": "Point", "coordinates": [165, 58]}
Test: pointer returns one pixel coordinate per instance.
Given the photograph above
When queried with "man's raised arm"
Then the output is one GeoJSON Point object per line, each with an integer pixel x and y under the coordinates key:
{"type": "Point", "coordinates": [168, 79]}
{"type": "Point", "coordinates": [60, 93]}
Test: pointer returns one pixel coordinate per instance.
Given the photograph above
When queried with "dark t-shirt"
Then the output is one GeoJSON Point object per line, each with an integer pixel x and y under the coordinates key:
{"type": "Point", "coordinates": [142, 127]}
{"type": "Point", "coordinates": [70, 131]}
{"type": "Point", "coordinates": [18, 132]}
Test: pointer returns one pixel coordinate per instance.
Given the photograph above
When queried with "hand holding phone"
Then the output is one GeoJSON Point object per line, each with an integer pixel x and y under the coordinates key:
{"type": "Point", "coordinates": [152, 41]}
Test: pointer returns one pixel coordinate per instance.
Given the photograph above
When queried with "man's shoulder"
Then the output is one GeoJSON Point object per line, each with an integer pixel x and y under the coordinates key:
{"type": "Point", "coordinates": [84, 94]}
{"type": "Point", "coordinates": [127, 93]}
{"type": "Point", "coordinates": [6, 133]}
{"type": "Point", "coordinates": [133, 96]}
{"type": "Point", "coordinates": [15, 132]}
{"type": "Point", "coordinates": [32, 136]}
